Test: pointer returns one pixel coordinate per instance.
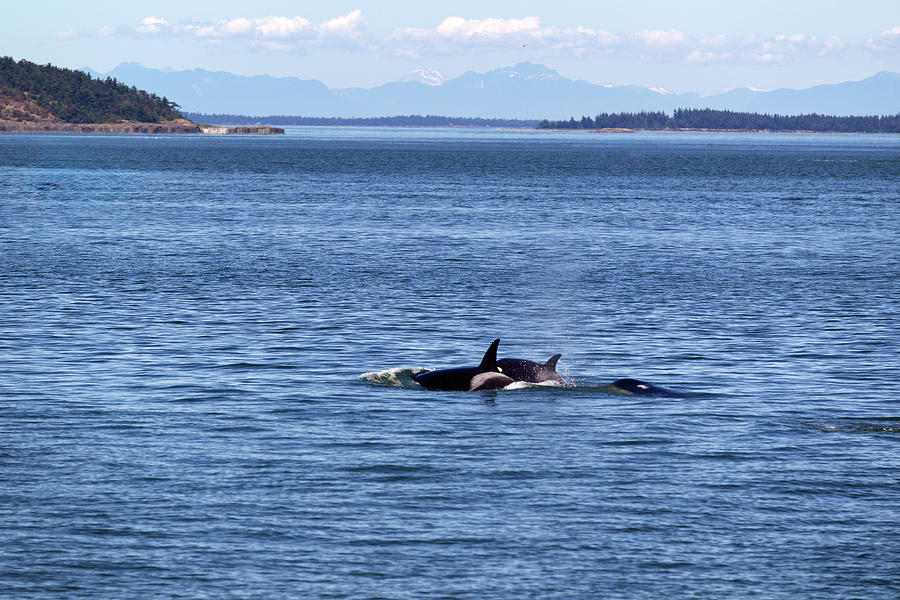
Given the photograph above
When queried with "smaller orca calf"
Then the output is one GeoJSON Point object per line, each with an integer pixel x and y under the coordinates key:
{"type": "Point", "coordinates": [636, 387]}
{"type": "Point", "coordinates": [530, 371]}
{"type": "Point", "coordinates": [486, 376]}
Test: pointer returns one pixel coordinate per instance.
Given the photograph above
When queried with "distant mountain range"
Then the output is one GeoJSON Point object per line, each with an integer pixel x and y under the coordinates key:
{"type": "Point", "coordinates": [526, 91]}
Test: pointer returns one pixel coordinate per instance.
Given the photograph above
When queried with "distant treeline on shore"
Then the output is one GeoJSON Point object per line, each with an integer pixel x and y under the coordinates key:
{"type": "Point", "coordinates": [726, 120]}
{"type": "Point", "coordinates": [692, 119]}
{"type": "Point", "coordinates": [395, 121]}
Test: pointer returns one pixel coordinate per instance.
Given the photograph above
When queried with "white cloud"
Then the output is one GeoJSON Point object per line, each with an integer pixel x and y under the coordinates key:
{"type": "Point", "coordinates": [780, 49]}
{"type": "Point", "coordinates": [152, 25]}
{"type": "Point", "coordinates": [459, 29]}
{"type": "Point", "coordinates": [282, 28]}
{"type": "Point", "coordinates": [259, 28]}
{"type": "Point", "coordinates": [347, 31]}
{"type": "Point", "coordinates": [456, 34]}
{"type": "Point", "coordinates": [239, 26]}
{"type": "Point", "coordinates": [348, 25]}
{"type": "Point", "coordinates": [887, 42]}
{"type": "Point", "coordinates": [660, 39]}
{"type": "Point", "coordinates": [274, 33]}
{"type": "Point", "coordinates": [705, 56]}
{"type": "Point", "coordinates": [787, 48]}
{"type": "Point", "coordinates": [283, 34]}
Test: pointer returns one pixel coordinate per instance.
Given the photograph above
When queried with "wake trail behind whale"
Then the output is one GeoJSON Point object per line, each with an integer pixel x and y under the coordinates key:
{"type": "Point", "coordinates": [396, 377]}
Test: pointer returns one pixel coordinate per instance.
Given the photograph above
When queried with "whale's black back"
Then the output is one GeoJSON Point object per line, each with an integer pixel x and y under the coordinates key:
{"type": "Point", "coordinates": [460, 379]}
{"type": "Point", "coordinates": [642, 388]}
{"type": "Point", "coordinates": [530, 371]}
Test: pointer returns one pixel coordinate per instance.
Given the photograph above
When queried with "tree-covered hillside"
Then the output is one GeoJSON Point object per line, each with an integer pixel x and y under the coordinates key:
{"type": "Point", "coordinates": [30, 92]}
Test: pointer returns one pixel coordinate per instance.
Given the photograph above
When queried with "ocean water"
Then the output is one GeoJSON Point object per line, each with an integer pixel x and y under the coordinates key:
{"type": "Point", "coordinates": [206, 349]}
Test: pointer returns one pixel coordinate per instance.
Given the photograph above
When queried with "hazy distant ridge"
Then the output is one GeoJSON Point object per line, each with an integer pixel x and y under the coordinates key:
{"type": "Point", "coordinates": [526, 91]}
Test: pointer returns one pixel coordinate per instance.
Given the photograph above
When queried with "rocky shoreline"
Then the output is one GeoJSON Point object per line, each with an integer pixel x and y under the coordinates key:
{"type": "Point", "coordinates": [181, 126]}
{"type": "Point", "coordinates": [241, 130]}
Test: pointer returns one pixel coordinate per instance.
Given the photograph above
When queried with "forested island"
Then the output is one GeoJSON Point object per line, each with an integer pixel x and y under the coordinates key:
{"type": "Point", "coordinates": [45, 98]}
{"type": "Point", "coordinates": [726, 120]}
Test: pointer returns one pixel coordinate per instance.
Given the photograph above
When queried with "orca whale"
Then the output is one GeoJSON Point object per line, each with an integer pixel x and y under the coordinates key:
{"type": "Point", "coordinates": [636, 387]}
{"type": "Point", "coordinates": [530, 371]}
{"type": "Point", "coordinates": [486, 376]}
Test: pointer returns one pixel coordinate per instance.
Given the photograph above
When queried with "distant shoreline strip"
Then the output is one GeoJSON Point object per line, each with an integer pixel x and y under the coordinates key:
{"type": "Point", "coordinates": [681, 120]}
{"type": "Point", "coordinates": [135, 129]}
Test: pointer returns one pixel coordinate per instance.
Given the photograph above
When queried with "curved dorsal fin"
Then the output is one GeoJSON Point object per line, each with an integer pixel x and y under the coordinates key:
{"type": "Point", "coordinates": [551, 364]}
{"type": "Point", "coordinates": [489, 362]}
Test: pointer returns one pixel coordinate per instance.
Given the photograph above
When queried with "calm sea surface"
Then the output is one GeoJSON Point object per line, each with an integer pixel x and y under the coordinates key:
{"type": "Point", "coordinates": [206, 346]}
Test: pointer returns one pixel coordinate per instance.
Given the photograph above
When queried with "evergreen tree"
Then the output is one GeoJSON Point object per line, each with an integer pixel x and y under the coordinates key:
{"type": "Point", "coordinates": [726, 120]}
{"type": "Point", "coordinates": [76, 97]}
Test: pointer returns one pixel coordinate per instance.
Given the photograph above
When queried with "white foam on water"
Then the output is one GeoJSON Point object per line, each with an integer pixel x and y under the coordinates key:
{"type": "Point", "coordinates": [396, 377]}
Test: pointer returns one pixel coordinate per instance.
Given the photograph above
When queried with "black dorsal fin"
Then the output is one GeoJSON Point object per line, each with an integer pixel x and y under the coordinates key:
{"type": "Point", "coordinates": [551, 364]}
{"type": "Point", "coordinates": [489, 362]}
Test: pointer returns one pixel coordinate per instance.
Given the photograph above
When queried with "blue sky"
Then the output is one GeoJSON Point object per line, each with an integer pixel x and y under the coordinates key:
{"type": "Point", "coordinates": [689, 45]}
